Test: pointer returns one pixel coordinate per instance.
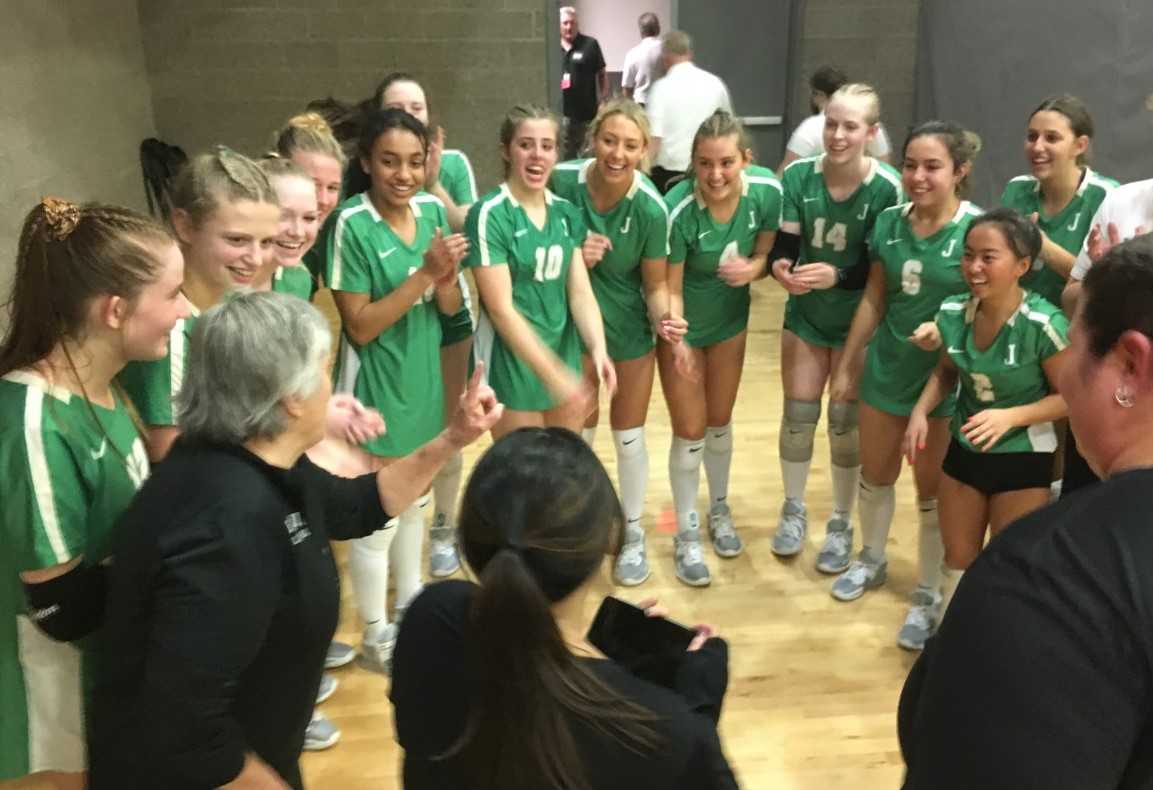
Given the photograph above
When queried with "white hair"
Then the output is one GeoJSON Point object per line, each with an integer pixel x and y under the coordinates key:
{"type": "Point", "coordinates": [567, 10]}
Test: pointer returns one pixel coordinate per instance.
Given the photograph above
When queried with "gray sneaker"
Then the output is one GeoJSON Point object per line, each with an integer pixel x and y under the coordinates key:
{"type": "Point", "coordinates": [789, 538]}
{"type": "Point", "coordinates": [339, 654]}
{"type": "Point", "coordinates": [320, 734]}
{"type": "Point", "coordinates": [837, 550]}
{"type": "Point", "coordinates": [726, 542]}
{"type": "Point", "coordinates": [327, 688]}
{"type": "Point", "coordinates": [689, 559]}
{"type": "Point", "coordinates": [863, 574]}
{"type": "Point", "coordinates": [443, 558]}
{"type": "Point", "coordinates": [922, 621]}
{"type": "Point", "coordinates": [377, 656]}
{"type": "Point", "coordinates": [632, 566]}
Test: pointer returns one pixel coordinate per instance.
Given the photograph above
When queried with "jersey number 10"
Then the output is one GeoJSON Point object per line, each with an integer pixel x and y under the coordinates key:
{"type": "Point", "coordinates": [549, 263]}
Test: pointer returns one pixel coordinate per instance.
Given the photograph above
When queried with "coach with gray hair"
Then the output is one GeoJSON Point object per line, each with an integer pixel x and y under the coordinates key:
{"type": "Point", "coordinates": [223, 594]}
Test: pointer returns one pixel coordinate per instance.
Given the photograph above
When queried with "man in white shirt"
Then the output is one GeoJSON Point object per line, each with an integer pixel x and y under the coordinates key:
{"type": "Point", "coordinates": [1127, 211]}
{"type": "Point", "coordinates": [642, 62]}
{"type": "Point", "coordinates": [808, 138]}
{"type": "Point", "coordinates": [678, 104]}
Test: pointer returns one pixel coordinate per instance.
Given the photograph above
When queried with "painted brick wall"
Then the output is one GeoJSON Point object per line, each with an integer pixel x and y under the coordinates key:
{"type": "Point", "coordinates": [232, 71]}
{"type": "Point", "coordinates": [76, 106]}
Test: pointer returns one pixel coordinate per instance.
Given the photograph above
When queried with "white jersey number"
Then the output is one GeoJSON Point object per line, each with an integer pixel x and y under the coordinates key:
{"type": "Point", "coordinates": [983, 388]}
{"type": "Point", "coordinates": [835, 237]}
{"type": "Point", "coordinates": [911, 277]}
{"type": "Point", "coordinates": [730, 251]}
{"type": "Point", "coordinates": [549, 263]}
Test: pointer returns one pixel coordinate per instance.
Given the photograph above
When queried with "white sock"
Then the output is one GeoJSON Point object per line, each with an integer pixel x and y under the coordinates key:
{"type": "Point", "coordinates": [846, 481]}
{"type": "Point", "coordinates": [685, 476]}
{"type": "Point", "coordinates": [718, 461]}
{"type": "Point", "coordinates": [795, 475]}
{"type": "Point", "coordinates": [446, 488]}
{"type": "Point", "coordinates": [368, 571]}
{"type": "Point", "coordinates": [930, 549]}
{"type": "Point", "coordinates": [632, 471]}
{"type": "Point", "coordinates": [589, 435]}
{"type": "Point", "coordinates": [877, 504]}
{"type": "Point", "coordinates": [406, 551]}
{"type": "Point", "coordinates": [952, 577]}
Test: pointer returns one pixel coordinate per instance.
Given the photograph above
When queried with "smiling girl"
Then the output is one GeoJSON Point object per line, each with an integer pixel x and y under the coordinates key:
{"type": "Point", "coordinates": [226, 217]}
{"type": "Point", "coordinates": [821, 259]}
{"type": "Point", "coordinates": [724, 220]}
{"type": "Point", "coordinates": [626, 251]}
{"type": "Point", "coordinates": [1006, 346]}
{"type": "Point", "coordinates": [299, 224]}
{"type": "Point", "coordinates": [393, 269]}
{"type": "Point", "coordinates": [538, 304]}
{"type": "Point", "coordinates": [916, 251]}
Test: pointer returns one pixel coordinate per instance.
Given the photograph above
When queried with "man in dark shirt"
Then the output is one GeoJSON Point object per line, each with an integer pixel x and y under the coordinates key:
{"type": "Point", "coordinates": [584, 81]}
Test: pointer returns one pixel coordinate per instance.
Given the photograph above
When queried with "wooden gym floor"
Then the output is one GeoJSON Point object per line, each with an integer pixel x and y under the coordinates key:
{"type": "Point", "coordinates": [814, 682]}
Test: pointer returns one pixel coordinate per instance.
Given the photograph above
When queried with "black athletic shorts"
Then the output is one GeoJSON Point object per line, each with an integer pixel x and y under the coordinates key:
{"type": "Point", "coordinates": [996, 473]}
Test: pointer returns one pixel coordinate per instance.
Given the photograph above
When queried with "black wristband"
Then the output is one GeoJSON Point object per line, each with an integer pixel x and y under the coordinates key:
{"type": "Point", "coordinates": [785, 245]}
{"type": "Point", "coordinates": [71, 605]}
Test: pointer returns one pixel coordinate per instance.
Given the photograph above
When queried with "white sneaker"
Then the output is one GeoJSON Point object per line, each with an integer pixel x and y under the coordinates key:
{"type": "Point", "coordinates": [376, 656]}
{"type": "Point", "coordinates": [320, 734]}
{"type": "Point", "coordinates": [443, 557]}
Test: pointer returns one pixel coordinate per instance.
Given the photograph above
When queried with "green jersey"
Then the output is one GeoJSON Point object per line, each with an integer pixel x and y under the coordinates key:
{"type": "Point", "coordinates": [294, 280]}
{"type": "Point", "coordinates": [1067, 228]}
{"type": "Point", "coordinates": [835, 232]}
{"type": "Point", "coordinates": [457, 179]}
{"type": "Point", "coordinates": [1009, 372]}
{"type": "Point", "coordinates": [316, 259]}
{"type": "Point", "coordinates": [70, 469]}
{"type": "Point", "coordinates": [153, 386]}
{"type": "Point", "coordinates": [398, 372]}
{"type": "Point", "coordinates": [638, 227]}
{"type": "Point", "coordinates": [714, 310]}
{"type": "Point", "coordinates": [919, 275]}
{"type": "Point", "coordinates": [500, 233]}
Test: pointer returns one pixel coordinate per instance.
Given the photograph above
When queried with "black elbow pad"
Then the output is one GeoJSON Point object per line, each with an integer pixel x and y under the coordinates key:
{"type": "Point", "coordinates": [787, 246]}
{"type": "Point", "coordinates": [70, 606]}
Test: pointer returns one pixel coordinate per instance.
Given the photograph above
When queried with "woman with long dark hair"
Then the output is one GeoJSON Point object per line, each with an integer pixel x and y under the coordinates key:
{"type": "Point", "coordinates": [495, 684]}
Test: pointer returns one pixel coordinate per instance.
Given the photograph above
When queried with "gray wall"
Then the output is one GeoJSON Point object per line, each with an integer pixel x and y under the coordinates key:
{"type": "Point", "coordinates": [76, 106]}
{"type": "Point", "coordinates": [232, 71]}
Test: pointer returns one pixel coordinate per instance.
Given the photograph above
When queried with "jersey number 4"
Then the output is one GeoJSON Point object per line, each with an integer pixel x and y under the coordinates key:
{"type": "Point", "coordinates": [835, 237]}
{"type": "Point", "coordinates": [549, 263]}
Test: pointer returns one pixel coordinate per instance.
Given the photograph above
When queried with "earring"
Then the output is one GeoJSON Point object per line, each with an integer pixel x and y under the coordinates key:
{"type": "Point", "coordinates": [1123, 397]}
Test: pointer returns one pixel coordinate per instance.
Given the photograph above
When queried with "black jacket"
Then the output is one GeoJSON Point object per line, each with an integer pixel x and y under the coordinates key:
{"type": "Point", "coordinates": [223, 597]}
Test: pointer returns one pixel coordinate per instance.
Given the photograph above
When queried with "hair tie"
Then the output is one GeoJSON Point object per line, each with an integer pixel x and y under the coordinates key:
{"type": "Point", "coordinates": [60, 217]}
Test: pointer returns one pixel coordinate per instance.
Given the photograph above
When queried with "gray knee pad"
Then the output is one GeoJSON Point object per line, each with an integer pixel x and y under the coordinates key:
{"type": "Point", "coordinates": [844, 441]}
{"type": "Point", "coordinates": [798, 425]}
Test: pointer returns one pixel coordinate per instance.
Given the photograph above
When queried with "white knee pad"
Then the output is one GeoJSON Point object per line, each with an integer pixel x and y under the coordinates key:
{"type": "Point", "coordinates": [798, 426]}
{"type": "Point", "coordinates": [844, 438]}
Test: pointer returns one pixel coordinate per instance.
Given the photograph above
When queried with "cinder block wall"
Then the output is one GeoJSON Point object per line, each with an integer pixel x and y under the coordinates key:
{"type": "Point", "coordinates": [873, 41]}
{"type": "Point", "coordinates": [232, 71]}
{"type": "Point", "coordinates": [76, 106]}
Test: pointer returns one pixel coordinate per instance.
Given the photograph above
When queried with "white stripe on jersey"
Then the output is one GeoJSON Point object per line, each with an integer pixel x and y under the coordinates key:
{"type": "Point", "coordinates": [1021, 178]}
{"type": "Point", "coordinates": [954, 307]}
{"type": "Point", "coordinates": [656, 196]}
{"type": "Point", "coordinates": [483, 343]}
{"type": "Point", "coordinates": [676, 212]}
{"type": "Point", "coordinates": [1047, 325]}
{"type": "Point", "coordinates": [774, 183]}
{"type": "Point", "coordinates": [482, 224]}
{"type": "Point", "coordinates": [467, 169]}
{"type": "Point", "coordinates": [891, 177]}
{"type": "Point", "coordinates": [41, 478]}
{"type": "Point", "coordinates": [338, 244]}
{"type": "Point", "coordinates": [54, 699]}
{"type": "Point", "coordinates": [176, 353]}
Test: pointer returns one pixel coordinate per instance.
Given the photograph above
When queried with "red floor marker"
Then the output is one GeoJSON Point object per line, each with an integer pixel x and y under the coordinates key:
{"type": "Point", "coordinates": [667, 522]}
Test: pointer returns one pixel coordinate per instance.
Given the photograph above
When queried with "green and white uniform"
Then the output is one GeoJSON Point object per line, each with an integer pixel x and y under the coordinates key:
{"type": "Point", "coordinates": [919, 275]}
{"type": "Point", "coordinates": [398, 372]}
{"type": "Point", "coordinates": [316, 259]}
{"type": "Point", "coordinates": [638, 227]}
{"type": "Point", "coordinates": [832, 232]}
{"type": "Point", "coordinates": [152, 386]}
{"type": "Point", "coordinates": [1009, 372]}
{"type": "Point", "coordinates": [715, 311]}
{"type": "Point", "coordinates": [500, 233]}
{"type": "Point", "coordinates": [294, 280]}
{"type": "Point", "coordinates": [1067, 228]}
{"type": "Point", "coordinates": [458, 181]}
{"type": "Point", "coordinates": [67, 479]}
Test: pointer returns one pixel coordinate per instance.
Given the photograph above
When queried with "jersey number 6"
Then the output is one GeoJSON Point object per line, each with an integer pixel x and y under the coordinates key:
{"type": "Point", "coordinates": [911, 278]}
{"type": "Point", "coordinates": [549, 263]}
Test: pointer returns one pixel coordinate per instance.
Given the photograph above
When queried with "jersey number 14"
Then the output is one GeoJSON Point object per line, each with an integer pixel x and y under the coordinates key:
{"type": "Point", "coordinates": [835, 237]}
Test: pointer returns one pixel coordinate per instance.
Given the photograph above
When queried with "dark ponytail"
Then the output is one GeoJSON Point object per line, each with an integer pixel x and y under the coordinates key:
{"type": "Point", "coordinates": [538, 516]}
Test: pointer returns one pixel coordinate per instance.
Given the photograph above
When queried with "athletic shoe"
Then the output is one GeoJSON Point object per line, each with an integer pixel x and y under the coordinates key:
{"type": "Point", "coordinates": [377, 656]}
{"type": "Point", "coordinates": [922, 621]}
{"type": "Point", "coordinates": [726, 542]}
{"type": "Point", "coordinates": [837, 550]}
{"type": "Point", "coordinates": [688, 558]}
{"type": "Point", "coordinates": [443, 559]}
{"type": "Point", "coordinates": [789, 538]}
{"type": "Point", "coordinates": [320, 734]}
{"type": "Point", "coordinates": [632, 566]}
{"type": "Point", "coordinates": [339, 654]}
{"type": "Point", "coordinates": [327, 688]}
{"type": "Point", "coordinates": [863, 574]}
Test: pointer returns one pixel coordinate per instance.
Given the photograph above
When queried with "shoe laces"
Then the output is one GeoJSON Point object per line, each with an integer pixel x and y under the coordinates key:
{"type": "Point", "coordinates": [442, 548]}
{"type": "Point", "coordinates": [920, 617]}
{"type": "Point", "coordinates": [690, 551]}
{"type": "Point", "coordinates": [837, 542]}
{"type": "Point", "coordinates": [859, 572]}
{"type": "Point", "coordinates": [791, 527]}
{"type": "Point", "coordinates": [722, 526]}
{"type": "Point", "coordinates": [632, 553]}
